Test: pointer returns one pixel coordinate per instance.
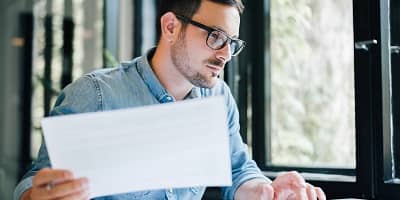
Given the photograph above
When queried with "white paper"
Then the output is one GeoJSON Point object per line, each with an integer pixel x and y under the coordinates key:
{"type": "Point", "coordinates": [173, 145]}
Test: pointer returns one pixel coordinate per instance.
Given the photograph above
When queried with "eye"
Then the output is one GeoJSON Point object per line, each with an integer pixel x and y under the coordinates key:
{"type": "Point", "coordinates": [213, 37]}
{"type": "Point", "coordinates": [216, 40]}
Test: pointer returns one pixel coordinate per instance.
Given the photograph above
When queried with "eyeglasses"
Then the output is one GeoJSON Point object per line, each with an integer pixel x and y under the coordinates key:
{"type": "Point", "coordinates": [217, 39]}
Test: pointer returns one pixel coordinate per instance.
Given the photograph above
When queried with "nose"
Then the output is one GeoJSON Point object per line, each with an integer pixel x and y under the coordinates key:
{"type": "Point", "coordinates": [224, 53]}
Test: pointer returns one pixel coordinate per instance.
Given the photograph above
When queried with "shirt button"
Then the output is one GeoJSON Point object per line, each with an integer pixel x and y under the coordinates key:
{"type": "Point", "coordinates": [169, 98]}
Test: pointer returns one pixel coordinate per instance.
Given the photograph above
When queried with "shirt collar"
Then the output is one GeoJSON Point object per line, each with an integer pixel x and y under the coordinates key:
{"type": "Point", "coordinates": [159, 92]}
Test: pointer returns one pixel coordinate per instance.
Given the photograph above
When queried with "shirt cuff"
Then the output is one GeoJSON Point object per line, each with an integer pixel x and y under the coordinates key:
{"type": "Point", "coordinates": [236, 185]}
{"type": "Point", "coordinates": [22, 186]}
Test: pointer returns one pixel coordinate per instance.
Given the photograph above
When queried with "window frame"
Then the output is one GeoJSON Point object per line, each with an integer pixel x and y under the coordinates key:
{"type": "Point", "coordinates": [389, 187]}
{"type": "Point", "coordinates": [395, 72]}
{"type": "Point", "coordinates": [369, 102]}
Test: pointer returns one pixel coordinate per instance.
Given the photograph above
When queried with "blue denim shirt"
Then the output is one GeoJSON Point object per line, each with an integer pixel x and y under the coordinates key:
{"type": "Point", "coordinates": [134, 84]}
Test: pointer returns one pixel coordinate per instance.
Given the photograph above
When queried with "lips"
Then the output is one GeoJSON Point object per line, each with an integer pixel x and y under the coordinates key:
{"type": "Point", "coordinates": [215, 66]}
{"type": "Point", "coordinates": [214, 69]}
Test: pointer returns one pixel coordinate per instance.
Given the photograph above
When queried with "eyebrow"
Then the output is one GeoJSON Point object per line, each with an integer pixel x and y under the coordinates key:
{"type": "Point", "coordinates": [187, 19]}
{"type": "Point", "coordinates": [220, 29]}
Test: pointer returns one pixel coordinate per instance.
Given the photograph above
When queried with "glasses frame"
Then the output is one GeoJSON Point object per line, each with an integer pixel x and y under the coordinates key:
{"type": "Point", "coordinates": [241, 44]}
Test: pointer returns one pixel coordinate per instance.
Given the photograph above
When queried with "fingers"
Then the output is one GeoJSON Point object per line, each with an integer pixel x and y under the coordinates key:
{"type": "Point", "coordinates": [255, 189]}
{"type": "Point", "coordinates": [292, 179]}
{"type": "Point", "coordinates": [320, 193]}
{"type": "Point", "coordinates": [266, 191]}
{"type": "Point", "coordinates": [291, 185]}
{"type": "Point", "coordinates": [58, 184]}
{"type": "Point", "coordinates": [285, 194]}
{"type": "Point", "coordinates": [64, 189]}
{"type": "Point", "coordinates": [301, 194]}
{"type": "Point", "coordinates": [46, 176]}
{"type": "Point", "coordinates": [311, 192]}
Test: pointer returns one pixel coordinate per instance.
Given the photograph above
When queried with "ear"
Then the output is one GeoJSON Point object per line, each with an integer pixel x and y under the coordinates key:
{"type": "Point", "coordinates": [170, 26]}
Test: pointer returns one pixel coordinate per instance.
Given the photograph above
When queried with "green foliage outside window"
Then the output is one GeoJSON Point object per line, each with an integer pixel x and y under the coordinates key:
{"type": "Point", "coordinates": [312, 86]}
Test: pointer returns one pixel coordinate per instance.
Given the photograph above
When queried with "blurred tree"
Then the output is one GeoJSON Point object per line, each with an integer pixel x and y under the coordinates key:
{"type": "Point", "coordinates": [312, 83]}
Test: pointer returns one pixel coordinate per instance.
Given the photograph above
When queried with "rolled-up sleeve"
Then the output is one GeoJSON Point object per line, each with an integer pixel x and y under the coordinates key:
{"type": "Point", "coordinates": [22, 186]}
{"type": "Point", "coordinates": [243, 167]}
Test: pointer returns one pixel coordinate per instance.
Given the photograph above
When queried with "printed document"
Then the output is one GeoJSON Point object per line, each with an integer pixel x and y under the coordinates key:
{"type": "Point", "coordinates": [172, 145]}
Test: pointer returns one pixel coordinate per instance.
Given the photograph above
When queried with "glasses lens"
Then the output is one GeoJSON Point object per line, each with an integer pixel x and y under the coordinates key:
{"type": "Point", "coordinates": [234, 46]}
{"type": "Point", "coordinates": [216, 40]}
{"type": "Point", "coordinates": [237, 46]}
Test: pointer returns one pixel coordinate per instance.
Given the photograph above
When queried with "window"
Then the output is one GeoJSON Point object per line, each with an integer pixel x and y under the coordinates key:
{"type": "Point", "coordinates": [323, 96]}
{"type": "Point", "coordinates": [72, 38]}
{"type": "Point", "coordinates": [68, 42]}
{"type": "Point", "coordinates": [310, 107]}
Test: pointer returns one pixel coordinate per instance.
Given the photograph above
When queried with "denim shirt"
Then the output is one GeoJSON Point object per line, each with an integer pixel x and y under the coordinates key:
{"type": "Point", "coordinates": [133, 84]}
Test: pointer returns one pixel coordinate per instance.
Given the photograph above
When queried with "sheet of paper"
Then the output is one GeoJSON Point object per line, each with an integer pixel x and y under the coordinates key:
{"type": "Point", "coordinates": [173, 145]}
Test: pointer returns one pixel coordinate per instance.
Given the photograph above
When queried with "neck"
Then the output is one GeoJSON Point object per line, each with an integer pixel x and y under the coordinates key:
{"type": "Point", "coordinates": [168, 75]}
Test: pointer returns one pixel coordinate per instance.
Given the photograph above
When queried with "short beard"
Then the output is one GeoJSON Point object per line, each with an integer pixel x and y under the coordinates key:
{"type": "Point", "coordinates": [180, 59]}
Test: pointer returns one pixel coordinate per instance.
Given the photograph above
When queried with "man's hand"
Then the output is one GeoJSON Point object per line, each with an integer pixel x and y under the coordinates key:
{"type": "Point", "coordinates": [57, 184]}
{"type": "Point", "coordinates": [255, 189]}
{"type": "Point", "coordinates": [287, 186]}
{"type": "Point", "coordinates": [291, 186]}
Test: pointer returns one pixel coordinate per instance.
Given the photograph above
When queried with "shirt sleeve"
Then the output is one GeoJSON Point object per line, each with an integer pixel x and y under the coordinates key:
{"type": "Point", "coordinates": [80, 96]}
{"type": "Point", "coordinates": [243, 167]}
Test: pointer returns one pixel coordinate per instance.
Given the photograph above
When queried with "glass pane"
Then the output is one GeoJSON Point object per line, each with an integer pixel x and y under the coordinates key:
{"type": "Point", "coordinates": [87, 50]}
{"type": "Point", "coordinates": [312, 84]}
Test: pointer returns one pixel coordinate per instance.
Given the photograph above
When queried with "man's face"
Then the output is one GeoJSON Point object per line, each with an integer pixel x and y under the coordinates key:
{"type": "Point", "coordinates": [190, 54]}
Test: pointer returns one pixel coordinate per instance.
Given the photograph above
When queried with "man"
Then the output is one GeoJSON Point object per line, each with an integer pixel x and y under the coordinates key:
{"type": "Point", "coordinates": [197, 38]}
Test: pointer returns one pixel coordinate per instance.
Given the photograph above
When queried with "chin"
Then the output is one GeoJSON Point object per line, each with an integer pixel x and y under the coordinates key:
{"type": "Point", "coordinates": [204, 81]}
{"type": "Point", "coordinates": [211, 83]}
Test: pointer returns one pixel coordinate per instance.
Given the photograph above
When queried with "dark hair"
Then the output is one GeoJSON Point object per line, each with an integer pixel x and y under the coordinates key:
{"type": "Point", "coordinates": [189, 7]}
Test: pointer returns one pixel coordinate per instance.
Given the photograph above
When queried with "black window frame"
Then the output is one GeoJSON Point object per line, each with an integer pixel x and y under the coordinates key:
{"type": "Point", "coordinates": [395, 71]}
{"type": "Point", "coordinates": [389, 186]}
{"type": "Point", "coordinates": [366, 180]}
